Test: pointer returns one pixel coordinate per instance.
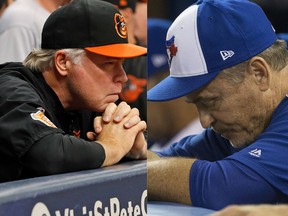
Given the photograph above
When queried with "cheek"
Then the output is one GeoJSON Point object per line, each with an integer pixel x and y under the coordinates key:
{"type": "Point", "coordinates": [96, 83]}
{"type": "Point", "coordinates": [88, 88]}
{"type": "Point", "coordinates": [241, 116]}
{"type": "Point", "coordinates": [233, 112]}
{"type": "Point", "coordinates": [96, 91]}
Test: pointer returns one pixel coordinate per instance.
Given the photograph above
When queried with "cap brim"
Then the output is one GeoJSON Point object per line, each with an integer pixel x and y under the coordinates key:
{"type": "Point", "coordinates": [124, 50]}
{"type": "Point", "coordinates": [174, 87]}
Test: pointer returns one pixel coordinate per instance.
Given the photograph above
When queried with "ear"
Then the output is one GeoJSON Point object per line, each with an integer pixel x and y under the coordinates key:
{"type": "Point", "coordinates": [61, 62]}
{"type": "Point", "coordinates": [261, 72]}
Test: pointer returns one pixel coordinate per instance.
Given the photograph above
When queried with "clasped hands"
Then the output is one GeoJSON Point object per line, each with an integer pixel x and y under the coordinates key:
{"type": "Point", "coordinates": [120, 131]}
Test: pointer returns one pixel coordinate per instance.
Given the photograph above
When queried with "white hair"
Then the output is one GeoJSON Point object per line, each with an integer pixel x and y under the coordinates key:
{"type": "Point", "coordinates": [42, 59]}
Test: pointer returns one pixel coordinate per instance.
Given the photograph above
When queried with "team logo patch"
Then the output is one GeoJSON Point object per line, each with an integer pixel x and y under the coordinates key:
{"type": "Point", "coordinates": [170, 45]}
{"type": "Point", "coordinates": [120, 25]}
{"type": "Point", "coordinates": [256, 152]}
{"type": "Point", "coordinates": [225, 54]}
{"type": "Point", "coordinates": [39, 116]}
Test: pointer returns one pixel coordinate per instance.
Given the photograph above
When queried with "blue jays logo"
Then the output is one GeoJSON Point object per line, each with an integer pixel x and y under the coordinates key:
{"type": "Point", "coordinates": [172, 48]}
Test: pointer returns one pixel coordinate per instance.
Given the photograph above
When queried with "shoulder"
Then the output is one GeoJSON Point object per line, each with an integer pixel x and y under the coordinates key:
{"type": "Point", "coordinates": [207, 146]}
{"type": "Point", "coordinates": [15, 73]}
{"type": "Point", "coordinates": [218, 178]}
{"type": "Point", "coordinates": [280, 116]}
{"type": "Point", "coordinates": [267, 155]}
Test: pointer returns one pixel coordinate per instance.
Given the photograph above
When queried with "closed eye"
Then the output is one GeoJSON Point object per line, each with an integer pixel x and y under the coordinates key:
{"type": "Point", "coordinates": [210, 103]}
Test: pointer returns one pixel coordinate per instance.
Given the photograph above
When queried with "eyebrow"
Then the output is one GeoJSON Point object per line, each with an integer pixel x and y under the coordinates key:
{"type": "Point", "coordinates": [200, 99]}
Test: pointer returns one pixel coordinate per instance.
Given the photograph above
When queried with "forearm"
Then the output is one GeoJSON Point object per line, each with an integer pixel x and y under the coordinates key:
{"type": "Point", "coordinates": [152, 156]}
{"type": "Point", "coordinates": [168, 179]}
{"type": "Point", "coordinates": [58, 153]}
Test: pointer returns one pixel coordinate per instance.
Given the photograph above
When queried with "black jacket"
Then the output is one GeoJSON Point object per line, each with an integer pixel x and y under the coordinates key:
{"type": "Point", "coordinates": [37, 136]}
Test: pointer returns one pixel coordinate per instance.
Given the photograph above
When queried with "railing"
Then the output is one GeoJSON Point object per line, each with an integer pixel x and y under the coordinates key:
{"type": "Point", "coordinates": [113, 191]}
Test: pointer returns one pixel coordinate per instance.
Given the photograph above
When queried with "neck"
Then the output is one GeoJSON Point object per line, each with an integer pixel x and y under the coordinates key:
{"type": "Point", "coordinates": [281, 82]}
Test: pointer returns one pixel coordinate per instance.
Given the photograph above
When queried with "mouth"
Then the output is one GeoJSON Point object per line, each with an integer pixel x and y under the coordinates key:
{"type": "Point", "coordinates": [229, 134]}
{"type": "Point", "coordinates": [223, 133]}
{"type": "Point", "coordinates": [114, 96]}
{"type": "Point", "coordinates": [216, 130]}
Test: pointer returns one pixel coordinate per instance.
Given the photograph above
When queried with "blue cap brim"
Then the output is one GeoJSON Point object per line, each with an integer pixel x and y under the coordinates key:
{"type": "Point", "coordinates": [173, 87]}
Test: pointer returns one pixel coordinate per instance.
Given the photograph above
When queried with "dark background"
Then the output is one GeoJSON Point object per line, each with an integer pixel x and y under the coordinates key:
{"type": "Point", "coordinates": [276, 10]}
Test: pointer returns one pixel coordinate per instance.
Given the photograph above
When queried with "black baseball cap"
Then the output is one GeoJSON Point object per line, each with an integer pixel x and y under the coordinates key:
{"type": "Point", "coordinates": [94, 25]}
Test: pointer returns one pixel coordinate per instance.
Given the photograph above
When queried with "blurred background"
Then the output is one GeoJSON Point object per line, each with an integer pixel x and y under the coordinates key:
{"type": "Point", "coordinates": [276, 10]}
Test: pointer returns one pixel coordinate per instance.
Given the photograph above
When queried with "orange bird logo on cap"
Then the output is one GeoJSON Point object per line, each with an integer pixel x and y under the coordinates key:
{"type": "Point", "coordinates": [120, 25]}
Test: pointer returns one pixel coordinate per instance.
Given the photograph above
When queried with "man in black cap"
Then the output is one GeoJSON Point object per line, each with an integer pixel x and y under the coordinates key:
{"type": "Point", "coordinates": [134, 91]}
{"type": "Point", "coordinates": [46, 105]}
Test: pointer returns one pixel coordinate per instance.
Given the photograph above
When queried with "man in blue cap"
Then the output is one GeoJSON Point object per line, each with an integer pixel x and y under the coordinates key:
{"type": "Point", "coordinates": [225, 58]}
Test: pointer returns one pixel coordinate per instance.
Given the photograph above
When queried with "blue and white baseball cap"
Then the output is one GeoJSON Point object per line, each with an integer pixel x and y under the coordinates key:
{"type": "Point", "coordinates": [208, 37]}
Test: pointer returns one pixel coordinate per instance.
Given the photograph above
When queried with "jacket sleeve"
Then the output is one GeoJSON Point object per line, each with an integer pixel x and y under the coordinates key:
{"type": "Point", "coordinates": [58, 153]}
{"type": "Point", "coordinates": [215, 185]}
{"type": "Point", "coordinates": [33, 140]}
{"type": "Point", "coordinates": [205, 146]}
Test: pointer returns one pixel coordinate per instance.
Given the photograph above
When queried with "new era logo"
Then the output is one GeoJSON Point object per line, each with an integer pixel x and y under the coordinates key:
{"type": "Point", "coordinates": [256, 152]}
{"type": "Point", "coordinates": [226, 54]}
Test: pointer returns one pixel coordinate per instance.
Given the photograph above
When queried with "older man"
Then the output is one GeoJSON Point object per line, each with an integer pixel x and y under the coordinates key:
{"type": "Point", "coordinates": [225, 58]}
{"type": "Point", "coordinates": [46, 124]}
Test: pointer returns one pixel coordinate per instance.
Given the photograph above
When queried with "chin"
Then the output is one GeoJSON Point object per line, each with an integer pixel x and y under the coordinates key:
{"type": "Point", "coordinates": [241, 142]}
{"type": "Point", "coordinates": [98, 108]}
{"type": "Point", "coordinates": [236, 145]}
{"type": "Point", "coordinates": [239, 138]}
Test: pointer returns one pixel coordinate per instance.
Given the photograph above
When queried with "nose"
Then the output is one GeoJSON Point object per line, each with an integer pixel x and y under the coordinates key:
{"type": "Point", "coordinates": [206, 119]}
{"type": "Point", "coordinates": [121, 75]}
